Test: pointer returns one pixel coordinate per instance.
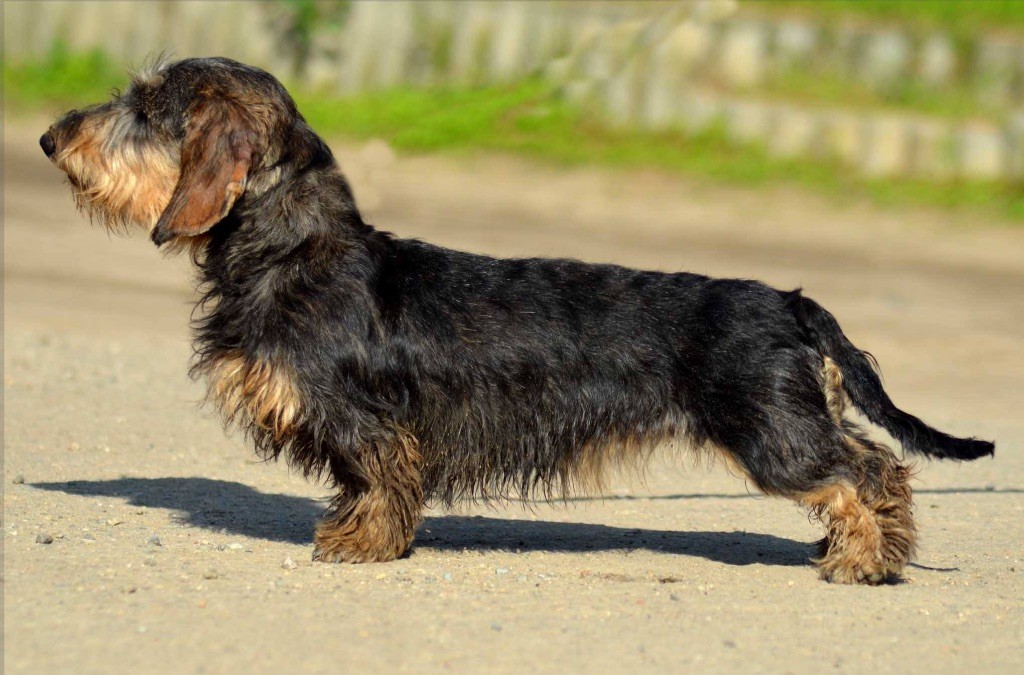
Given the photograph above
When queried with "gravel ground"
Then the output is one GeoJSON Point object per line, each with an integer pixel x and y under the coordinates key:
{"type": "Point", "coordinates": [137, 536]}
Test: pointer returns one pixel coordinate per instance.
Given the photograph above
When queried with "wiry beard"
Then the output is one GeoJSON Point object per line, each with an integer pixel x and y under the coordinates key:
{"type": "Point", "coordinates": [117, 179]}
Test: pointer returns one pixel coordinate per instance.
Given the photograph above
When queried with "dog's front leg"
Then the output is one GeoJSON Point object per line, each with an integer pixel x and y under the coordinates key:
{"type": "Point", "coordinates": [376, 513]}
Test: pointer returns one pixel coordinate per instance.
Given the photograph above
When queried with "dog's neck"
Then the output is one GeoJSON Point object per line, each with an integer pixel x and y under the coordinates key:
{"type": "Point", "coordinates": [298, 210]}
{"type": "Point", "coordinates": [300, 200]}
{"type": "Point", "coordinates": [313, 201]}
{"type": "Point", "coordinates": [301, 191]}
{"type": "Point", "coordinates": [296, 239]}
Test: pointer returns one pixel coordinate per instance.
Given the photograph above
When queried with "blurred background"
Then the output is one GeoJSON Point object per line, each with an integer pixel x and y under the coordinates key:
{"type": "Point", "coordinates": [869, 151]}
{"type": "Point", "coordinates": [905, 101]}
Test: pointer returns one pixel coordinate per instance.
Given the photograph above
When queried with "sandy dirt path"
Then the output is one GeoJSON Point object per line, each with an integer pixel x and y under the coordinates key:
{"type": "Point", "coordinates": [170, 540]}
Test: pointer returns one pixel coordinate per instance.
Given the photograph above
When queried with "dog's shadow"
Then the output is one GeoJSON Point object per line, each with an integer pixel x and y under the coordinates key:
{"type": "Point", "coordinates": [238, 509]}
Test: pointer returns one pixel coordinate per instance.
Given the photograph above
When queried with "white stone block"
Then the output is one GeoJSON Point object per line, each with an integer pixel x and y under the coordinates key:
{"type": "Point", "coordinates": [796, 133]}
{"type": "Point", "coordinates": [357, 46]}
{"type": "Point", "coordinates": [937, 60]}
{"type": "Point", "coordinates": [701, 110]}
{"type": "Point", "coordinates": [471, 42]}
{"type": "Point", "coordinates": [887, 145]}
{"type": "Point", "coordinates": [621, 95]}
{"type": "Point", "coordinates": [546, 37]}
{"type": "Point", "coordinates": [669, 71]}
{"type": "Point", "coordinates": [714, 10]}
{"type": "Point", "coordinates": [394, 44]}
{"type": "Point", "coordinates": [509, 55]}
{"type": "Point", "coordinates": [90, 28]}
{"type": "Point", "coordinates": [747, 121]}
{"type": "Point", "coordinates": [597, 62]}
{"type": "Point", "coordinates": [982, 152]}
{"type": "Point", "coordinates": [686, 46]}
{"type": "Point", "coordinates": [886, 57]}
{"type": "Point", "coordinates": [17, 18]}
{"type": "Point", "coordinates": [843, 137]}
{"type": "Point", "coordinates": [744, 50]}
{"type": "Point", "coordinates": [795, 41]}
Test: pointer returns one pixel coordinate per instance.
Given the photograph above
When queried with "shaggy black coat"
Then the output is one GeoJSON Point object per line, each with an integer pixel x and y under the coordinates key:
{"type": "Point", "coordinates": [411, 373]}
{"type": "Point", "coordinates": [508, 371]}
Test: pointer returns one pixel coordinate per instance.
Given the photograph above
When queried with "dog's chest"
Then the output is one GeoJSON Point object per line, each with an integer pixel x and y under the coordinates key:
{"type": "Point", "coordinates": [254, 391]}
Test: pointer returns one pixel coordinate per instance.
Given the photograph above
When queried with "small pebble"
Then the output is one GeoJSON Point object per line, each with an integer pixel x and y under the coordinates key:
{"type": "Point", "coordinates": [235, 546]}
{"type": "Point", "coordinates": [149, 560]}
{"type": "Point", "coordinates": [448, 576]}
{"type": "Point", "coordinates": [19, 479]}
{"type": "Point", "coordinates": [496, 627]}
{"type": "Point", "coordinates": [88, 539]}
{"type": "Point", "coordinates": [501, 571]}
{"type": "Point", "coordinates": [114, 522]}
{"type": "Point", "coordinates": [289, 564]}
{"type": "Point", "coordinates": [211, 574]}
{"type": "Point", "coordinates": [43, 538]}
{"type": "Point", "coordinates": [154, 540]}
{"type": "Point", "coordinates": [73, 445]}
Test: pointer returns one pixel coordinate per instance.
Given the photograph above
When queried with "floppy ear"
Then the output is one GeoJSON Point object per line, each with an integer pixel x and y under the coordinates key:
{"type": "Point", "coordinates": [215, 159]}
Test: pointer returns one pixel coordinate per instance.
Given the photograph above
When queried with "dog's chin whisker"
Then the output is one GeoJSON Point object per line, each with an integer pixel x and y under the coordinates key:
{"type": "Point", "coordinates": [408, 374]}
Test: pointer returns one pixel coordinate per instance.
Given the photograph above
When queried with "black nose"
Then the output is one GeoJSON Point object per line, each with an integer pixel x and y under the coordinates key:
{"type": "Point", "coordinates": [47, 144]}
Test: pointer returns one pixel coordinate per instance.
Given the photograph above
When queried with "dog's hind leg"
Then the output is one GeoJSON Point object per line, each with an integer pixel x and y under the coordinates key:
{"type": "Point", "coordinates": [803, 449]}
{"type": "Point", "coordinates": [870, 525]}
{"type": "Point", "coordinates": [883, 490]}
{"type": "Point", "coordinates": [379, 506]}
{"type": "Point", "coordinates": [863, 499]}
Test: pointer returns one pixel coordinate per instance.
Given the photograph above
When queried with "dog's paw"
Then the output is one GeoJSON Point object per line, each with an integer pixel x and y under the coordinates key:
{"type": "Point", "coordinates": [871, 574]}
{"type": "Point", "coordinates": [335, 555]}
{"type": "Point", "coordinates": [354, 556]}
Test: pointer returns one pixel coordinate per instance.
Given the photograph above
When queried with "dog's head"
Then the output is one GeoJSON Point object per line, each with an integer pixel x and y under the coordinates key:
{"type": "Point", "coordinates": [180, 147]}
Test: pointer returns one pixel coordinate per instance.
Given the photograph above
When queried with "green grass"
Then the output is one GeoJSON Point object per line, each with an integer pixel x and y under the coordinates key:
{"type": "Point", "coordinates": [952, 102]}
{"type": "Point", "coordinates": [61, 79]}
{"type": "Point", "coordinates": [959, 17]}
{"type": "Point", "coordinates": [526, 119]}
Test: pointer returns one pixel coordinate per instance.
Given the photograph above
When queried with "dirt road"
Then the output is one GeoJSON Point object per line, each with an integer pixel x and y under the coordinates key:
{"type": "Point", "coordinates": [175, 551]}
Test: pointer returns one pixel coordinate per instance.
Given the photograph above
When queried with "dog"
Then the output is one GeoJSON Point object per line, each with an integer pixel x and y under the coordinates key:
{"type": "Point", "coordinates": [409, 374]}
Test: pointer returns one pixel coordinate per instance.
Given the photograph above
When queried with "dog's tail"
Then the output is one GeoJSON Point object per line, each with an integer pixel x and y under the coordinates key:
{"type": "Point", "coordinates": [862, 384]}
